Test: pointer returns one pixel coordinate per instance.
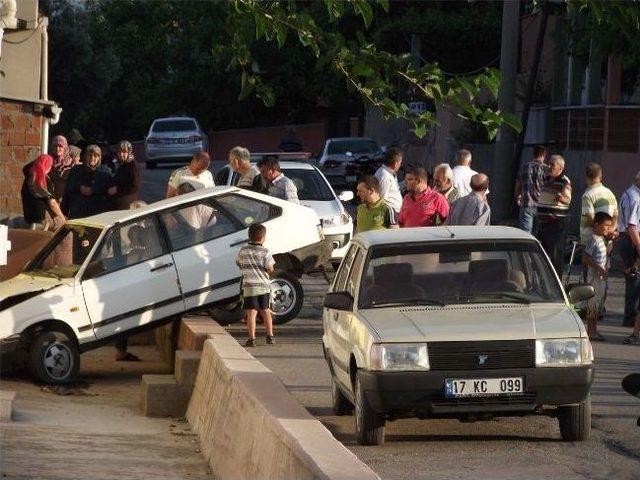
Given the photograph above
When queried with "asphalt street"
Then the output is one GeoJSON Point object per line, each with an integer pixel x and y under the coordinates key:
{"type": "Point", "coordinates": [518, 448]}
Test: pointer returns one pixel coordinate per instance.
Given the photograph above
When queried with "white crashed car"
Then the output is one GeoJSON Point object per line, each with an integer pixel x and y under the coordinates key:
{"type": "Point", "coordinates": [125, 271]}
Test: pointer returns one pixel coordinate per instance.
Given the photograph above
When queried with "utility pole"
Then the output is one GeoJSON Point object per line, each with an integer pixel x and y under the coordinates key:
{"type": "Point", "coordinates": [504, 167]}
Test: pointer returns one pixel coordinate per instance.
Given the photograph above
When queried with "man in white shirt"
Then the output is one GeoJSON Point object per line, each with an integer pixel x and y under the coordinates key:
{"type": "Point", "coordinates": [196, 173]}
{"type": "Point", "coordinates": [388, 180]}
{"type": "Point", "coordinates": [462, 172]}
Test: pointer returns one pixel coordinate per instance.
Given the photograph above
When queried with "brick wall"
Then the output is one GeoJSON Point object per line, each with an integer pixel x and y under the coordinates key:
{"type": "Point", "coordinates": [20, 138]}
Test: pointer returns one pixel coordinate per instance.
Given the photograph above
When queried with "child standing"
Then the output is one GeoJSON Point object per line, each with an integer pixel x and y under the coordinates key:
{"type": "Point", "coordinates": [256, 264]}
{"type": "Point", "coordinates": [596, 260]}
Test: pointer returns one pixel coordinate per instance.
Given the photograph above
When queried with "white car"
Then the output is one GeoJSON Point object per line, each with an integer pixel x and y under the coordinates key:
{"type": "Point", "coordinates": [463, 322]}
{"type": "Point", "coordinates": [314, 191]}
{"type": "Point", "coordinates": [344, 159]}
{"type": "Point", "coordinates": [174, 139]}
{"type": "Point", "coordinates": [120, 272]}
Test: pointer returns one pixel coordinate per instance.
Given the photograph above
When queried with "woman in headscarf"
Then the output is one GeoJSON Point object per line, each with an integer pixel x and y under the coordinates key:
{"type": "Point", "coordinates": [63, 162]}
{"type": "Point", "coordinates": [126, 182]}
{"type": "Point", "coordinates": [86, 190]}
{"type": "Point", "coordinates": [37, 196]}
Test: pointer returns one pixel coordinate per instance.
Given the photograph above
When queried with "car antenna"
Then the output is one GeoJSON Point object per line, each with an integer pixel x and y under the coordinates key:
{"type": "Point", "coordinates": [452, 235]}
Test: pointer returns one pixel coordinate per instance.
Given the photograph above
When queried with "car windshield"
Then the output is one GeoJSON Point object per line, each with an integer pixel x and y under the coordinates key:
{"type": "Point", "coordinates": [455, 273]}
{"type": "Point", "coordinates": [311, 185]}
{"type": "Point", "coordinates": [357, 147]}
{"type": "Point", "coordinates": [65, 253]}
{"type": "Point", "coordinates": [174, 126]}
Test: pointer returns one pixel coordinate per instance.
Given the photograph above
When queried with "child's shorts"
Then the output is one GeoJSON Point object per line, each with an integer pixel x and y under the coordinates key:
{"type": "Point", "coordinates": [257, 302]}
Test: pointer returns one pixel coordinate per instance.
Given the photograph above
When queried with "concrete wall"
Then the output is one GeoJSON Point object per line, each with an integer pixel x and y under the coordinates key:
{"type": "Point", "coordinates": [250, 427]}
{"type": "Point", "coordinates": [20, 133]}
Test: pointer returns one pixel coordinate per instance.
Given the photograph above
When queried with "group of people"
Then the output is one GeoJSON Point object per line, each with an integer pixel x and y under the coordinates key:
{"type": "Point", "coordinates": [458, 195]}
{"type": "Point", "coordinates": [71, 183]}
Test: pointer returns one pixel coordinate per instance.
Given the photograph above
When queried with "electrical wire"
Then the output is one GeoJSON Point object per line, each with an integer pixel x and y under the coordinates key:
{"type": "Point", "coordinates": [35, 30]}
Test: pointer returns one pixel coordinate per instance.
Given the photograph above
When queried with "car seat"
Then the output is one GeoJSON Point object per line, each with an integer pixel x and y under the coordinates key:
{"type": "Point", "coordinates": [393, 282]}
{"type": "Point", "coordinates": [489, 276]}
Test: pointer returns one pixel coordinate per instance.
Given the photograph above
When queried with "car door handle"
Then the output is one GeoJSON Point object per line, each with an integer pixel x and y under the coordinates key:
{"type": "Point", "coordinates": [161, 267]}
{"type": "Point", "coordinates": [239, 242]}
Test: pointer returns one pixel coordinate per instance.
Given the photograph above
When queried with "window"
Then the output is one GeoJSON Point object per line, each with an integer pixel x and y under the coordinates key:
{"type": "Point", "coordinates": [354, 273]}
{"type": "Point", "coordinates": [460, 272]}
{"type": "Point", "coordinates": [127, 245]}
{"type": "Point", "coordinates": [310, 184]}
{"type": "Point", "coordinates": [174, 126]}
{"type": "Point", "coordinates": [197, 223]}
{"type": "Point", "coordinates": [247, 210]}
{"type": "Point", "coordinates": [357, 147]}
{"type": "Point", "coordinates": [340, 283]}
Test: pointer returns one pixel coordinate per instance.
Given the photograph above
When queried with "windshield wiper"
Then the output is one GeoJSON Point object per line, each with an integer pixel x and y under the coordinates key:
{"type": "Point", "coordinates": [410, 301]}
{"type": "Point", "coordinates": [44, 273]}
{"type": "Point", "coordinates": [517, 297]}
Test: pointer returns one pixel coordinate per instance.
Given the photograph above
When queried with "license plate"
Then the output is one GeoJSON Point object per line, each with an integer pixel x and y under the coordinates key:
{"type": "Point", "coordinates": [480, 387]}
{"type": "Point", "coordinates": [351, 178]}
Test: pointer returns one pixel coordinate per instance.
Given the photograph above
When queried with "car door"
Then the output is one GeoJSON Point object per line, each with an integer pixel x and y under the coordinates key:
{"type": "Point", "coordinates": [131, 280]}
{"type": "Point", "coordinates": [337, 323]}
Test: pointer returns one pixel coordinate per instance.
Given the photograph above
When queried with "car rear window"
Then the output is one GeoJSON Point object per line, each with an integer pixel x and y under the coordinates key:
{"type": "Point", "coordinates": [353, 146]}
{"type": "Point", "coordinates": [174, 126]}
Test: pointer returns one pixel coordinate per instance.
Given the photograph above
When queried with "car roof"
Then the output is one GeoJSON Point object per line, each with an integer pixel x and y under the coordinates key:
{"type": "Point", "coordinates": [349, 139]}
{"type": "Point", "coordinates": [439, 234]}
{"type": "Point", "coordinates": [108, 219]}
{"type": "Point", "coordinates": [173, 118]}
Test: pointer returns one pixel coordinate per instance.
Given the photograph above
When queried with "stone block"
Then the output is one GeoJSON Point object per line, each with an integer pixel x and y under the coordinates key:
{"type": "Point", "coordinates": [160, 395]}
{"type": "Point", "coordinates": [195, 330]}
{"type": "Point", "coordinates": [186, 367]}
{"type": "Point", "coordinates": [6, 404]}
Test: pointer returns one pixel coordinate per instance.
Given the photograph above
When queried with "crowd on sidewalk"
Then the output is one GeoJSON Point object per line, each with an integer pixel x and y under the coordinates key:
{"type": "Point", "coordinates": [74, 183]}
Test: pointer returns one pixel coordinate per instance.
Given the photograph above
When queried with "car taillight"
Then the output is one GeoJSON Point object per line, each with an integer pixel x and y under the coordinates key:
{"type": "Point", "coordinates": [153, 140]}
{"type": "Point", "coordinates": [195, 138]}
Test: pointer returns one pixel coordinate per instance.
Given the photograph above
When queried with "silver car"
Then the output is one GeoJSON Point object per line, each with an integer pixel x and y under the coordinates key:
{"type": "Point", "coordinates": [174, 139]}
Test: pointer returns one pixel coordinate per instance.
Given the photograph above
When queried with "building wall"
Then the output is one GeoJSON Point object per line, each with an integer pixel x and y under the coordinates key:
{"type": "Point", "coordinates": [20, 133]}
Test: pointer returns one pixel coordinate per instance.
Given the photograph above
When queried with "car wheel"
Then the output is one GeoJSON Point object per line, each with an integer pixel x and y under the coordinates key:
{"type": "Point", "coordinates": [575, 421]}
{"type": "Point", "coordinates": [150, 165]}
{"type": "Point", "coordinates": [286, 297]}
{"type": "Point", "coordinates": [369, 424]}
{"type": "Point", "coordinates": [54, 358]}
{"type": "Point", "coordinates": [339, 403]}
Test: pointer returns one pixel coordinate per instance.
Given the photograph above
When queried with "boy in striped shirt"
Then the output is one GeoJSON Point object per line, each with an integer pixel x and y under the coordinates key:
{"type": "Point", "coordinates": [595, 258]}
{"type": "Point", "coordinates": [256, 264]}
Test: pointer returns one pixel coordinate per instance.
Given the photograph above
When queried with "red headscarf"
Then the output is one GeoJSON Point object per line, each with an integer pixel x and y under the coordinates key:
{"type": "Point", "coordinates": [40, 169]}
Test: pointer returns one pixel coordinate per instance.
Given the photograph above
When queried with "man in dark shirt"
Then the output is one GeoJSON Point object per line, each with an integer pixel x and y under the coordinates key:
{"type": "Point", "coordinates": [527, 190]}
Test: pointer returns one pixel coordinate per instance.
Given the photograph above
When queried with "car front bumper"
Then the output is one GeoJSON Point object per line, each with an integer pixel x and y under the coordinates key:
{"type": "Point", "coordinates": [314, 255]}
{"type": "Point", "coordinates": [422, 393]}
{"type": "Point", "coordinates": [172, 152]}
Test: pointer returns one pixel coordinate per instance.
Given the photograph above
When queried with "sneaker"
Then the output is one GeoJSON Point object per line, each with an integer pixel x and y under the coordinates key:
{"type": "Point", "coordinates": [632, 339]}
{"type": "Point", "coordinates": [250, 343]}
{"type": "Point", "coordinates": [271, 340]}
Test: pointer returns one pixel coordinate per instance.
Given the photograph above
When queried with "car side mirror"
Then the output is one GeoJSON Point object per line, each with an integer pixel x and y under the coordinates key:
{"type": "Point", "coordinates": [338, 301]}
{"type": "Point", "coordinates": [580, 292]}
{"type": "Point", "coordinates": [346, 196]}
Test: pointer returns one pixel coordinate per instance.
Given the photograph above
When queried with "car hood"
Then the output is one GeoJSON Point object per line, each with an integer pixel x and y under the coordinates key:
{"type": "Point", "coordinates": [472, 322]}
{"type": "Point", "coordinates": [25, 286]}
{"type": "Point", "coordinates": [324, 208]}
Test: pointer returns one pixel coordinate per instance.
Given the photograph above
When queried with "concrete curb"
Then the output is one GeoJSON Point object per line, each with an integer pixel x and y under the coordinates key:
{"type": "Point", "coordinates": [251, 427]}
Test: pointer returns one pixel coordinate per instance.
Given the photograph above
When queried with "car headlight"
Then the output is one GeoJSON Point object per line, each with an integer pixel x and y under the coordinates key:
{"type": "Point", "coordinates": [565, 352]}
{"type": "Point", "coordinates": [336, 220]}
{"type": "Point", "coordinates": [399, 356]}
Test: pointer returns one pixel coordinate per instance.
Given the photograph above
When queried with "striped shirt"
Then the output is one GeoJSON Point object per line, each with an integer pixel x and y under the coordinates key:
{"type": "Point", "coordinates": [629, 208]}
{"type": "Point", "coordinates": [254, 260]}
{"type": "Point", "coordinates": [549, 208]}
{"type": "Point", "coordinates": [596, 198]}
{"type": "Point", "coordinates": [597, 250]}
{"type": "Point", "coordinates": [283, 187]}
{"type": "Point", "coordinates": [532, 178]}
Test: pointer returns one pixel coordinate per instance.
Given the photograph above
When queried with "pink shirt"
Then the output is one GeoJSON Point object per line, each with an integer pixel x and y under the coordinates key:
{"type": "Point", "coordinates": [423, 210]}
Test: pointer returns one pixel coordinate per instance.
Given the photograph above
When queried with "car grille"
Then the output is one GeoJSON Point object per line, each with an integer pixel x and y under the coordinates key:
{"type": "Point", "coordinates": [487, 355]}
{"type": "Point", "coordinates": [524, 399]}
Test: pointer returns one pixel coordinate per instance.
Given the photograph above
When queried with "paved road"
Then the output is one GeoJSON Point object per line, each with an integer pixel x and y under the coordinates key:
{"type": "Point", "coordinates": [528, 448]}
{"type": "Point", "coordinates": [519, 448]}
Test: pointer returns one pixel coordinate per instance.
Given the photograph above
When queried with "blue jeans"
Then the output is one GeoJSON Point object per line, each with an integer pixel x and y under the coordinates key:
{"type": "Point", "coordinates": [526, 217]}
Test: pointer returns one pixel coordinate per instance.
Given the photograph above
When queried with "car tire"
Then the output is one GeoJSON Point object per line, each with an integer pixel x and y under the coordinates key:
{"type": "Point", "coordinates": [575, 421]}
{"type": "Point", "coordinates": [228, 314]}
{"type": "Point", "coordinates": [287, 296]}
{"type": "Point", "coordinates": [339, 403]}
{"type": "Point", "coordinates": [369, 424]}
{"type": "Point", "coordinates": [150, 165]}
{"type": "Point", "coordinates": [54, 358]}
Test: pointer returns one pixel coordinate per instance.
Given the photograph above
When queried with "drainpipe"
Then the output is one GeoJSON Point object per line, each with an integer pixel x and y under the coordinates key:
{"type": "Point", "coordinates": [44, 80]}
